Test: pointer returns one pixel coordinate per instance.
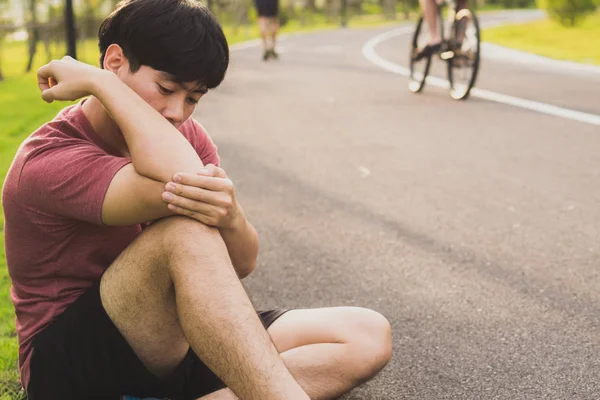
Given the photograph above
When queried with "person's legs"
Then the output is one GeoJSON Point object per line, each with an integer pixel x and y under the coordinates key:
{"type": "Point", "coordinates": [429, 8]}
{"type": "Point", "coordinates": [175, 285]}
{"type": "Point", "coordinates": [274, 29]}
{"type": "Point", "coordinates": [329, 350]}
{"type": "Point", "coordinates": [263, 26]}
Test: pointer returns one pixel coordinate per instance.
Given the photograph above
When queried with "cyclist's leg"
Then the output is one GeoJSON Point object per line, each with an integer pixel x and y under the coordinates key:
{"type": "Point", "coordinates": [429, 8]}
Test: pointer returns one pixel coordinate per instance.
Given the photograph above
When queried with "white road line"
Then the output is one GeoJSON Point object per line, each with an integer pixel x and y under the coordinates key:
{"type": "Point", "coordinates": [369, 53]}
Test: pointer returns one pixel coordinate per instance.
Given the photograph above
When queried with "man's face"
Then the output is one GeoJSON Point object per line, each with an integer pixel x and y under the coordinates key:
{"type": "Point", "coordinates": [174, 101]}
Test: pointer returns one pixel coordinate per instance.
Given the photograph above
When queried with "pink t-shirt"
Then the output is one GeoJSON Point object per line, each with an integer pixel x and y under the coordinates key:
{"type": "Point", "coordinates": [56, 243]}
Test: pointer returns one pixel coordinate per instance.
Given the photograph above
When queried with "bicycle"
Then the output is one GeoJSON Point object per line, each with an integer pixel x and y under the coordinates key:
{"type": "Point", "coordinates": [460, 49]}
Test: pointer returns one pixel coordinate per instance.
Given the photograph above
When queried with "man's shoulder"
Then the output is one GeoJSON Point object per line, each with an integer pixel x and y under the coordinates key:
{"type": "Point", "coordinates": [67, 128]}
{"type": "Point", "coordinates": [53, 143]}
{"type": "Point", "coordinates": [64, 125]}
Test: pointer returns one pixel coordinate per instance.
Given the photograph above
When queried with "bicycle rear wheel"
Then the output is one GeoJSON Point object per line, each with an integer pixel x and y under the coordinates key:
{"type": "Point", "coordinates": [464, 44]}
{"type": "Point", "coordinates": [418, 69]}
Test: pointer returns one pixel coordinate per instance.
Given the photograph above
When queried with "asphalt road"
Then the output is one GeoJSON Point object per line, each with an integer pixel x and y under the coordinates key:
{"type": "Point", "coordinates": [473, 226]}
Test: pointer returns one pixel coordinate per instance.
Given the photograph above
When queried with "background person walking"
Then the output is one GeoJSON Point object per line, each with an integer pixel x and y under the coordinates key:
{"type": "Point", "coordinates": [268, 22]}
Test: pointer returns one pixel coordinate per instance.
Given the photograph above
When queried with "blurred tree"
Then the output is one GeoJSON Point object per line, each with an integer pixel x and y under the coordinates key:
{"type": "Point", "coordinates": [91, 17]}
{"type": "Point", "coordinates": [71, 29]}
{"type": "Point", "coordinates": [55, 33]}
{"type": "Point", "coordinates": [33, 32]}
{"type": "Point", "coordinates": [389, 9]}
{"type": "Point", "coordinates": [5, 28]}
{"type": "Point", "coordinates": [311, 5]}
{"type": "Point", "coordinates": [568, 12]}
{"type": "Point", "coordinates": [3, 8]}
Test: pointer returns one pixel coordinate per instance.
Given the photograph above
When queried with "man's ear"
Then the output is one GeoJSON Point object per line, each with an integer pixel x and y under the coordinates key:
{"type": "Point", "coordinates": [114, 59]}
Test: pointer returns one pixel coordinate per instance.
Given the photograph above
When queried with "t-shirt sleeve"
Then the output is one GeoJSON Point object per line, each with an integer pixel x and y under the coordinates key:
{"type": "Point", "coordinates": [203, 144]}
{"type": "Point", "coordinates": [69, 181]}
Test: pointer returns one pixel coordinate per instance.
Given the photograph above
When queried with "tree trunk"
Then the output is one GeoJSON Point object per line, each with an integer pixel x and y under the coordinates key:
{"type": "Point", "coordinates": [5, 29]}
{"type": "Point", "coordinates": [34, 34]}
{"type": "Point", "coordinates": [344, 13]}
{"type": "Point", "coordinates": [332, 9]}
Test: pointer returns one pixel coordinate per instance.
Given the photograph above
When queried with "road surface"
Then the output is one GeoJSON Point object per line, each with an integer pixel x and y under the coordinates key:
{"type": "Point", "coordinates": [473, 226]}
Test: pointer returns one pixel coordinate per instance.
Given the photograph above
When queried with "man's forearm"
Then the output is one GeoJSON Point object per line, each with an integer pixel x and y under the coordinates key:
{"type": "Point", "coordinates": [242, 246]}
{"type": "Point", "coordinates": [158, 149]}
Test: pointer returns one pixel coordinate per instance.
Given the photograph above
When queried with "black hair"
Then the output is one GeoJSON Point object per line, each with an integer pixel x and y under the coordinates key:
{"type": "Point", "coordinates": [180, 37]}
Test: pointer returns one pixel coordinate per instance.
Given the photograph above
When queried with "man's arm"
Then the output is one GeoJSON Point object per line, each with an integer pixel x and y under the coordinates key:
{"type": "Point", "coordinates": [242, 245]}
{"type": "Point", "coordinates": [157, 148]}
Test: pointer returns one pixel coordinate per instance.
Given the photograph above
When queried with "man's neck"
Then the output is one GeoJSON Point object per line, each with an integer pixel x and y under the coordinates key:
{"type": "Point", "coordinates": [105, 126]}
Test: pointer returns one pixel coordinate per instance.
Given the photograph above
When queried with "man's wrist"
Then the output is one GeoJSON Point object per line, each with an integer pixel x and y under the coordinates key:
{"type": "Point", "coordinates": [100, 80]}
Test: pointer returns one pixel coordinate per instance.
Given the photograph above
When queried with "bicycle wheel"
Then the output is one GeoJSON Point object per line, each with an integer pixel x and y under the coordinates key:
{"type": "Point", "coordinates": [418, 69]}
{"type": "Point", "coordinates": [464, 43]}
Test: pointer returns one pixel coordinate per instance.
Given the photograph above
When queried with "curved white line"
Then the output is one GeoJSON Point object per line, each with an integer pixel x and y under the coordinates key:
{"type": "Point", "coordinates": [369, 53]}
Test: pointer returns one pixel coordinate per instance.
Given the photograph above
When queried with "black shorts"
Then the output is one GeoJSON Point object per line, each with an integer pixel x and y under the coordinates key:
{"type": "Point", "coordinates": [267, 8]}
{"type": "Point", "coordinates": [82, 355]}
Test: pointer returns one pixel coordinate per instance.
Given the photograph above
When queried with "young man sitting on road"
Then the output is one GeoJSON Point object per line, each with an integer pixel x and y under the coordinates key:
{"type": "Point", "coordinates": [108, 304]}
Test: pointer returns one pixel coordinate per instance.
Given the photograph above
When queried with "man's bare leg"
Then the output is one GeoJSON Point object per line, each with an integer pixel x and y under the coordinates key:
{"type": "Point", "coordinates": [429, 8]}
{"type": "Point", "coordinates": [175, 285]}
{"type": "Point", "coordinates": [274, 29]}
{"type": "Point", "coordinates": [329, 350]}
{"type": "Point", "coordinates": [263, 26]}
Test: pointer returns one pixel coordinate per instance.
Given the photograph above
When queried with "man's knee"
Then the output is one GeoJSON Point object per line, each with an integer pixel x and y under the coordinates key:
{"type": "Point", "coordinates": [182, 233]}
{"type": "Point", "coordinates": [372, 342]}
{"type": "Point", "coordinates": [178, 228]}
{"type": "Point", "coordinates": [187, 245]}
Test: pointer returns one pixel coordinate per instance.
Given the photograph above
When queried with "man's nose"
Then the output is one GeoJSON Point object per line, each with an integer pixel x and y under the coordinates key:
{"type": "Point", "coordinates": [174, 112]}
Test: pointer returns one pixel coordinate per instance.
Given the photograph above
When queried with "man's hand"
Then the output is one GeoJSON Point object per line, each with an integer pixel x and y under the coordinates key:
{"type": "Point", "coordinates": [67, 79]}
{"type": "Point", "coordinates": [208, 197]}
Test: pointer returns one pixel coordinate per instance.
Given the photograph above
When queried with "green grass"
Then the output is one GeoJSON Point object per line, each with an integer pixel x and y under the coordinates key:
{"type": "Point", "coordinates": [22, 111]}
{"type": "Point", "coordinates": [550, 39]}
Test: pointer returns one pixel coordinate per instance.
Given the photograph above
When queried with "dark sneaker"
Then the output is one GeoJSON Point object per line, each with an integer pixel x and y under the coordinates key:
{"type": "Point", "coordinates": [274, 54]}
{"type": "Point", "coordinates": [427, 51]}
{"type": "Point", "coordinates": [266, 55]}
